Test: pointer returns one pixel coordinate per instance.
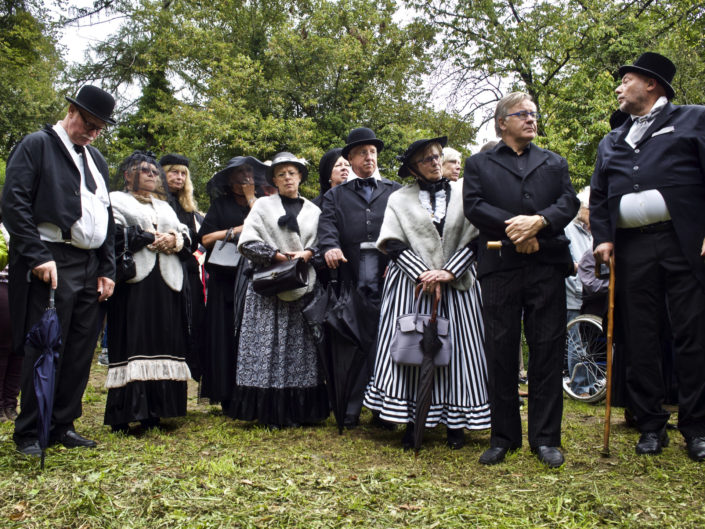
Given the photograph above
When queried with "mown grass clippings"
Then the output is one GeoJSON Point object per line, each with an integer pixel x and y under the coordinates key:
{"type": "Point", "coordinates": [205, 471]}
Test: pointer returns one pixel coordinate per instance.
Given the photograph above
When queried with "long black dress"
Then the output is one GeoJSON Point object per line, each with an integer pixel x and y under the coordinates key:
{"type": "Point", "coordinates": [220, 354]}
{"type": "Point", "coordinates": [193, 292]}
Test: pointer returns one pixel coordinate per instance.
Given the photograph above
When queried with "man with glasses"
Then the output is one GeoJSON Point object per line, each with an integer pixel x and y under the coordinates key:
{"type": "Point", "coordinates": [521, 195]}
{"type": "Point", "coordinates": [56, 207]}
{"type": "Point", "coordinates": [351, 217]}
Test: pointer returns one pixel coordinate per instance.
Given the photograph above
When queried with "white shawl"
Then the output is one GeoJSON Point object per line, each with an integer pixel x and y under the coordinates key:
{"type": "Point", "coordinates": [261, 225]}
{"type": "Point", "coordinates": [406, 220]}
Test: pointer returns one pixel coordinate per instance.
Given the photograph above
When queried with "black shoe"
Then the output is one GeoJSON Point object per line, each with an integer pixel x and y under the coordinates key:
{"type": "Point", "coordinates": [152, 422]}
{"type": "Point", "coordinates": [550, 456]}
{"type": "Point", "coordinates": [120, 428]}
{"type": "Point", "coordinates": [381, 423]}
{"type": "Point", "coordinates": [493, 455]}
{"type": "Point", "coordinates": [70, 439]}
{"type": "Point", "coordinates": [455, 438]}
{"type": "Point", "coordinates": [407, 442]}
{"type": "Point", "coordinates": [29, 448]}
{"type": "Point", "coordinates": [651, 443]}
{"type": "Point", "coordinates": [351, 421]}
{"type": "Point", "coordinates": [696, 448]}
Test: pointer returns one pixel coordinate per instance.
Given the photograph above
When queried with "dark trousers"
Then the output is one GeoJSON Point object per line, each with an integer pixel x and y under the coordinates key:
{"type": "Point", "coordinates": [651, 268]}
{"type": "Point", "coordinates": [77, 308]}
{"type": "Point", "coordinates": [539, 291]}
{"type": "Point", "coordinates": [10, 364]}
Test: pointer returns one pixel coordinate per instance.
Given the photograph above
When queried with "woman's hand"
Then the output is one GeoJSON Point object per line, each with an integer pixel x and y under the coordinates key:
{"type": "Point", "coordinates": [432, 279]}
{"type": "Point", "coordinates": [304, 254]}
{"type": "Point", "coordinates": [163, 242]}
{"type": "Point", "coordinates": [209, 239]}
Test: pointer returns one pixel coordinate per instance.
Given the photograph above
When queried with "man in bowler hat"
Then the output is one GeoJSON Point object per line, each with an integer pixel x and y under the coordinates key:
{"type": "Point", "coordinates": [647, 207]}
{"type": "Point", "coordinates": [57, 209]}
{"type": "Point", "coordinates": [351, 217]}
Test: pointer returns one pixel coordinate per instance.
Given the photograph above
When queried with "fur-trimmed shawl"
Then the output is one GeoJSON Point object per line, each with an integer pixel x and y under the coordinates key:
{"type": "Point", "coordinates": [261, 225]}
{"type": "Point", "coordinates": [151, 217]}
{"type": "Point", "coordinates": [406, 220]}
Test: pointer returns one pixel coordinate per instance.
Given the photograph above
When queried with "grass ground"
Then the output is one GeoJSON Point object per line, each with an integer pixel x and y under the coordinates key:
{"type": "Point", "coordinates": [205, 470]}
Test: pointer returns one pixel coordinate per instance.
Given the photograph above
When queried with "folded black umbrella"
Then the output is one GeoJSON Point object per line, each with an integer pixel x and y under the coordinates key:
{"type": "Point", "coordinates": [45, 336]}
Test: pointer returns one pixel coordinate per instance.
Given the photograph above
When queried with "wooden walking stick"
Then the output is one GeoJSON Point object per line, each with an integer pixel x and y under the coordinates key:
{"type": "Point", "coordinates": [610, 341]}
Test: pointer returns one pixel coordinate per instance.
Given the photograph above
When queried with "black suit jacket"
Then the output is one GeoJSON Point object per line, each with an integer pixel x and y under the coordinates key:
{"type": "Point", "coordinates": [347, 220]}
{"type": "Point", "coordinates": [669, 157]}
{"type": "Point", "coordinates": [42, 184]}
{"type": "Point", "coordinates": [493, 191]}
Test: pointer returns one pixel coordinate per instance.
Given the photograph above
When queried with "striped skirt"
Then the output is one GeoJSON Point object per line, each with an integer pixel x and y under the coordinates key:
{"type": "Point", "coordinates": [459, 397]}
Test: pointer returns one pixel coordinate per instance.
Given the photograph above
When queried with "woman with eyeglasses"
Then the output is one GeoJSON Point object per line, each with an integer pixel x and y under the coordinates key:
{"type": "Point", "coordinates": [147, 342]}
{"type": "Point", "coordinates": [429, 241]}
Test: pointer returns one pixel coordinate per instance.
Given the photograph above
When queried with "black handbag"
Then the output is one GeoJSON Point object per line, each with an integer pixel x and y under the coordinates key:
{"type": "Point", "coordinates": [125, 268]}
{"type": "Point", "coordinates": [224, 256]}
{"type": "Point", "coordinates": [406, 347]}
{"type": "Point", "coordinates": [280, 277]}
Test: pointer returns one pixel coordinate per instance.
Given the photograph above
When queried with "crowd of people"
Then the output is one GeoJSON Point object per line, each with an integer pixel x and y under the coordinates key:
{"type": "Point", "coordinates": [223, 298]}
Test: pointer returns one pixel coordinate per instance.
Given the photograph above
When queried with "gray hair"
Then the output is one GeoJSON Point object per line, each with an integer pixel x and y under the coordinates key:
{"type": "Point", "coordinates": [505, 104]}
{"type": "Point", "coordinates": [451, 155]}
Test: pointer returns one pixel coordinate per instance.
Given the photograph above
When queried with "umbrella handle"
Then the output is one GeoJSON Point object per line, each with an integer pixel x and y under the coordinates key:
{"type": "Point", "coordinates": [51, 298]}
{"type": "Point", "coordinates": [436, 301]}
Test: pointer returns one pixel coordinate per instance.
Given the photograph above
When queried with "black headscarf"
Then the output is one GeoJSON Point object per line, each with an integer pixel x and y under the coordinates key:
{"type": "Point", "coordinates": [325, 168]}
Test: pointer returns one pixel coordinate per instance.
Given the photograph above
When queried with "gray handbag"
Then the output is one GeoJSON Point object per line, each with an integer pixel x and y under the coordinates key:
{"type": "Point", "coordinates": [406, 348]}
{"type": "Point", "coordinates": [224, 256]}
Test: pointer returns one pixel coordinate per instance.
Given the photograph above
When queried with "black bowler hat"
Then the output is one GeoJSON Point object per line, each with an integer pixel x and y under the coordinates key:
{"type": "Point", "coordinates": [361, 136]}
{"type": "Point", "coordinates": [655, 66]}
{"type": "Point", "coordinates": [96, 101]}
{"type": "Point", "coordinates": [418, 145]}
{"type": "Point", "coordinates": [173, 159]}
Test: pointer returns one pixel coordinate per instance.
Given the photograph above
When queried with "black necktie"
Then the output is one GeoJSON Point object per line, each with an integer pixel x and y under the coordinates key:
{"type": "Point", "coordinates": [367, 185]}
{"type": "Point", "coordinates": [90, 182]}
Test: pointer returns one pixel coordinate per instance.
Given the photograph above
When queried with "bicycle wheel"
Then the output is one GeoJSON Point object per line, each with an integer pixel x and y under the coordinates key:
{"type": "Point", "coordinates": [585, 359]}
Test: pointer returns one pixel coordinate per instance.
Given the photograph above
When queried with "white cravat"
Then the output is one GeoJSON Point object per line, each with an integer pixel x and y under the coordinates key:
{"type": "Point", "coordinates": [641, 123]}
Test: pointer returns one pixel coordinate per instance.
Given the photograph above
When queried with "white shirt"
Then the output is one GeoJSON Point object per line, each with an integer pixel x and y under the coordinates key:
{"type": "Point", "coordinates": [90, 230]}
{"type": "Point", "coordinates": [643, 207]}
{"type": "Point", "coordinates": [375, 175]}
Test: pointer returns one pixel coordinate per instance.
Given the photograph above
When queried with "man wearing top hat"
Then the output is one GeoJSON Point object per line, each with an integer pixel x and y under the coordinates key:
{"type": "Point", "coordinates": [647, 206]}
{"type": "Point", "coordinates": [351, 217]}
{"type": "Point", "coordinates": [56, 207]}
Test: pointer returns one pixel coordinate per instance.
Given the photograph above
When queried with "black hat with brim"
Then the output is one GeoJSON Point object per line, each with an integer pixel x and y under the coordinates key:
{"type": "Point", "coordinates": [655, 66]}
{"type": "Point", "coordinates": [96, 101]}
{"type": "Point", "coordinates": [220, 183]}
{"type": "Point", "coordinates": [418, 145]}
{"type": "Point", "coordinates": [286, 157]}
{"type": "Point", "coordinates": [361, 136]}
{"type": "Point", "coordinates": [173, 159]}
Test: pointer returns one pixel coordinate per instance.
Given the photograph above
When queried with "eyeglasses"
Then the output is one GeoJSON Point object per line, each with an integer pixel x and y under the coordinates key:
{"type": "Point", "coordinates": [429, 160]}
{"type": "Point", "coordinates": [524, 115]}
{"type": "Point", "coordinates": [89, 125]}
{"type": "Point", "coordinates": [149, 170]}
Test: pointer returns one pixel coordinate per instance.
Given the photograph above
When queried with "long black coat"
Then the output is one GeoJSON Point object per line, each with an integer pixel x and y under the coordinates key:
{"type": "Point", "coordinates": [669, 157]}
{"type": "Point", "coordinates": [347, 220]}
{"type": "Point", "coordinates": [43, 185]}
{"type": "Point", "coordinates": [494, 192]}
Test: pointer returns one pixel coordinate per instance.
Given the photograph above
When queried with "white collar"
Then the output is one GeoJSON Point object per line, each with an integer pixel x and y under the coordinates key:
{"type": "Point", "coordinates": [375, 175]}
{"type": "Point", "coordinates": [658, 107]}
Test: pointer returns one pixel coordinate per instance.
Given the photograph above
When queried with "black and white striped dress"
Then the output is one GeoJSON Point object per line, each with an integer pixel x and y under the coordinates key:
{"type": "Point", "coordinates": [460, 398]}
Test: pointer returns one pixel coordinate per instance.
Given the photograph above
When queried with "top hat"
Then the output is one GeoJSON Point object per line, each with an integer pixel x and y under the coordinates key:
{"type": "Point", "coordinates": [96, 101]}
{"type": "Point", "coordinates": [418, 145]}
{"type": "Point", "coordinates": [655, 66]}
{"type": "Point", "coordinates": [361, 136]}
{"type": "Point", "coordinates": [286, 157]}
{"type": "Point", "coordinates": [173, 159]}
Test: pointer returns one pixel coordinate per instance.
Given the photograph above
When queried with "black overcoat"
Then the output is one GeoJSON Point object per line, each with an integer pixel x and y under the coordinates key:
{"type": "Point", "coordinates": [493, 191]}
{"type": "Point", "coordinates": [347, 220]}
{"type": "Point", "coordinates": [669, 157]}
{"type": "Point", "coordinates": [43, 185]}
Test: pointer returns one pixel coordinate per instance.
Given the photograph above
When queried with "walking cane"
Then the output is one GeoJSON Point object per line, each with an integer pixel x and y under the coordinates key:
{"type": "Point", "coordinates": [610, 340]}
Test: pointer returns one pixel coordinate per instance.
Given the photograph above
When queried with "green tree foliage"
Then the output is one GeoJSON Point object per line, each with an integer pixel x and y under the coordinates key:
{"type": "Point", "coordinates": [230, 77]}
{"type": "Point", "coordinates": [566, 54]}
{"type": "Point", "coordinates": [30, 65]}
